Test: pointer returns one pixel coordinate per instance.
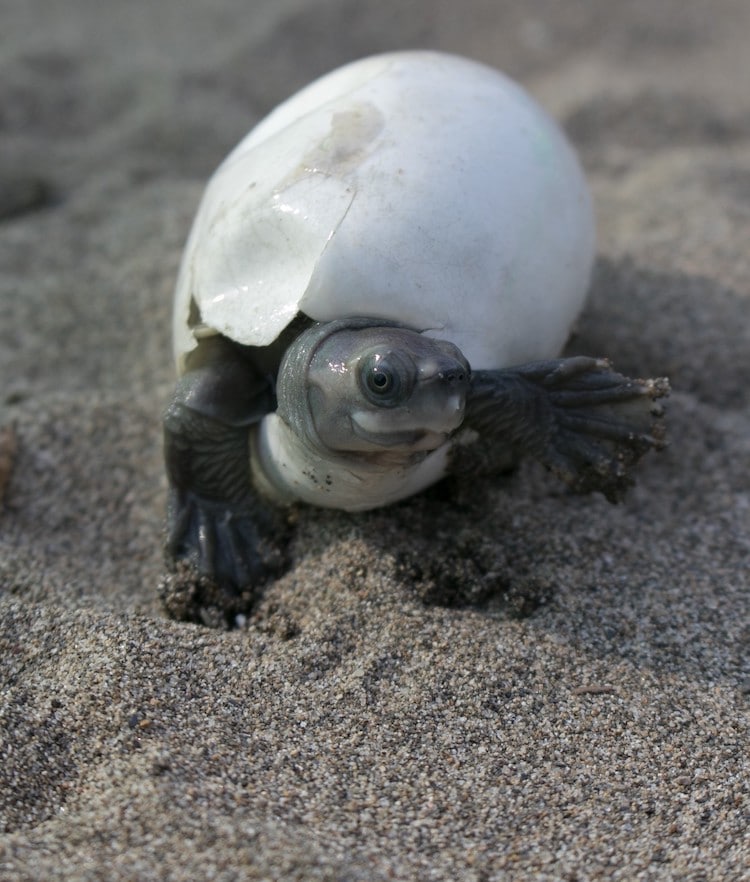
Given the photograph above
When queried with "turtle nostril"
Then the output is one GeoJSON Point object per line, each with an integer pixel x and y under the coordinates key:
{"type": "Point", "coordinates": [453, 378]}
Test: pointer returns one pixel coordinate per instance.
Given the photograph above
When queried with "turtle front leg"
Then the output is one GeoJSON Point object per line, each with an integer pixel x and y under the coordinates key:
{"type": "Point", "coordinates": [588, 424]}
{"type": "Point", "coordinates": [223, 540]}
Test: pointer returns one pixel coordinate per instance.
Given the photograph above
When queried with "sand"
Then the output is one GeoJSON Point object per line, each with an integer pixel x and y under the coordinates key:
{"type": "Point", "coordinates": [511, 684]}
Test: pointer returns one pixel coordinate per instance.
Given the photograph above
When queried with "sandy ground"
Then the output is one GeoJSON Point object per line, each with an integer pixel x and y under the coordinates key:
{"type": "Point", "coordinates": [520, 685]}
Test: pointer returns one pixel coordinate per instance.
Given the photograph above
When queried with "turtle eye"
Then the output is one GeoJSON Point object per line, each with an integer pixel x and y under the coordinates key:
{"type": "Point", "coordinates": [386, 378]}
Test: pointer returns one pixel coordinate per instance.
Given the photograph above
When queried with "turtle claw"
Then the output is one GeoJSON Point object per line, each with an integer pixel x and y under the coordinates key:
{"type": "Point", "coordinates": [584, 421]}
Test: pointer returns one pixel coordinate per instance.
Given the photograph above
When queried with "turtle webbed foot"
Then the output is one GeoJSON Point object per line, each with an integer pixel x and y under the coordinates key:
{"type": "Point", "coordinates": [231, 544]}
{"type": "Point", "coordinates": [584, 421]}
{"type": "Point", "coordinates": [220, 556]}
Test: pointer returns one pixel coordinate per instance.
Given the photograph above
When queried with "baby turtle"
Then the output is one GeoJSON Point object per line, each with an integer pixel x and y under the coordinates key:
{"type": "Point", "coordinates": [378, 281]}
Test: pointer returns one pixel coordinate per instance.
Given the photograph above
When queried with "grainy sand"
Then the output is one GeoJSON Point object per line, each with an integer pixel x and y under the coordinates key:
{"type": "Point", "coordinates": [524, 685]}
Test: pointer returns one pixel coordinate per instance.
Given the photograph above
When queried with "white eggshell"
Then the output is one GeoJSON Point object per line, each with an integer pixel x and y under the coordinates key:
{"type": "Point", "coordinates": [415, 186]}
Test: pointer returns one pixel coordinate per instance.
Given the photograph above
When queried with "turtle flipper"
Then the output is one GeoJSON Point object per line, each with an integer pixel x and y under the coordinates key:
{"type": "Point", "coordinates": [220, 533]}
{"type": "Point", "coordinates": [588, 424]}
{"type": "Point", "coordinates": [223, 537]}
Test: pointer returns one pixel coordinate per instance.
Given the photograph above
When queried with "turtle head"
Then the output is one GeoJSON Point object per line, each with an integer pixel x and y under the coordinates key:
{"type": "Point", "coordinates": [369, 388]}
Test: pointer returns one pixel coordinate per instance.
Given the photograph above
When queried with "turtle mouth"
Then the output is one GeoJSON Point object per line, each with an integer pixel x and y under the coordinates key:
{"type": "Point", "coordinates": [425, 425]}
{"type": "Point", "coordinates": [412, 440]}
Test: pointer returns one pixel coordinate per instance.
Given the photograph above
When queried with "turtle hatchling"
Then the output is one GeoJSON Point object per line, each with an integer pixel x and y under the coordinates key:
{"type": "Point", "coordinates": [379, 279]}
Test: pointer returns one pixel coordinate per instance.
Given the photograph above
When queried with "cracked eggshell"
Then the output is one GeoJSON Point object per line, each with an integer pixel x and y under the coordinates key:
{"type": "Point", "coordinates": [417, 187]}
